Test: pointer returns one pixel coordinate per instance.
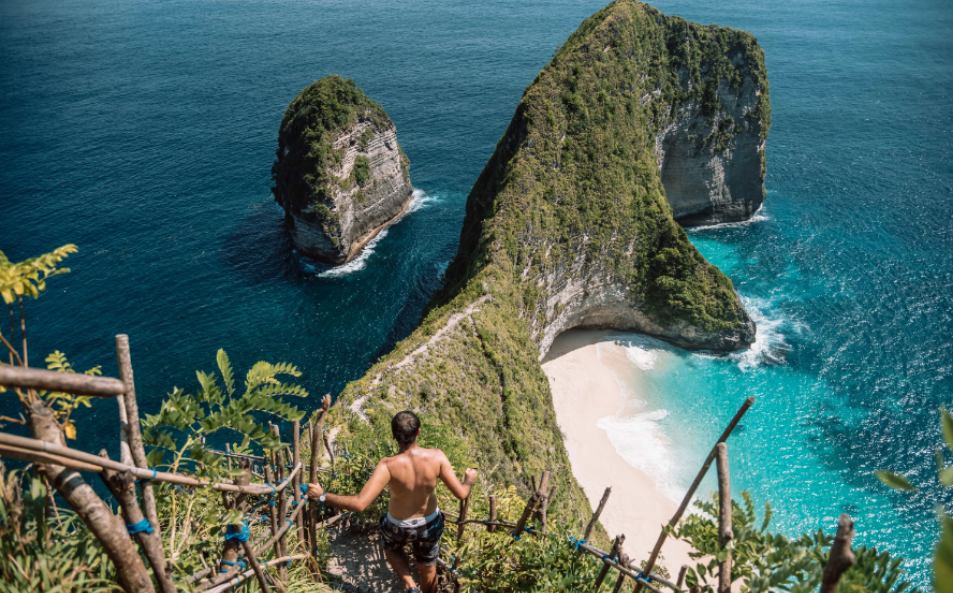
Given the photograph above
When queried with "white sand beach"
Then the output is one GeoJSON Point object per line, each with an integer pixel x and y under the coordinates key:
{"type": "Point", "coordinates": [584, 390]}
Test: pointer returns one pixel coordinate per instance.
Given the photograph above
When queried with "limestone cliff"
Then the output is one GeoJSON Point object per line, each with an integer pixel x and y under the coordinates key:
{"type": "Point", "coordinates": [568, 226]}
{"type": "Point", "coordinates": [710, 144]}
{"type": "Point", "coordinates": [340, 174]}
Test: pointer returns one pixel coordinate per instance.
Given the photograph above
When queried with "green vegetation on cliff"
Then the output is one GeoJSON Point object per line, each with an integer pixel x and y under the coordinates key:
{"type": "Point", "coordinates": [573, 185]}
{"type": "Point", "coordinates": [306, 154]}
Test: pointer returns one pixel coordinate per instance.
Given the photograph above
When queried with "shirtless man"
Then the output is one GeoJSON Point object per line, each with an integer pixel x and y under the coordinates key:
{"type": "Point", "coordinates": [412, 514]}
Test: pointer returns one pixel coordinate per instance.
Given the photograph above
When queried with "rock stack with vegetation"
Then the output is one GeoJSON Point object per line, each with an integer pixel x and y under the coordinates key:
{"type": "Point", "coordinates": [339, 174]}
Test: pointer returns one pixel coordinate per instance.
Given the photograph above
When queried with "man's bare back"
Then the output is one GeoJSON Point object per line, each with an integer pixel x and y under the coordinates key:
{"type": "Point", "coordinates": [412, 475]}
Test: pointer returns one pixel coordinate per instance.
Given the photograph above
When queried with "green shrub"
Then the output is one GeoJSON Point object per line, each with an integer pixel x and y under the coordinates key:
{"type": "Point", "coordinates": [362, 170]}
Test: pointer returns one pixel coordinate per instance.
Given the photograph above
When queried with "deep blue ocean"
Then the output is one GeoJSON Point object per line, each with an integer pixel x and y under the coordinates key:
{"type": "Point", "coordinates": [144, 132]}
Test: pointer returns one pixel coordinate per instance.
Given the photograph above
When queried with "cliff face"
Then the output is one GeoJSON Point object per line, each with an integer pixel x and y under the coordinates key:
{"type": "Point", "coordinates": [569, 226]}
{"type": "Point", "coordinates": [340, 174]}
{"type": "Point", "coordinates": [711, 156]}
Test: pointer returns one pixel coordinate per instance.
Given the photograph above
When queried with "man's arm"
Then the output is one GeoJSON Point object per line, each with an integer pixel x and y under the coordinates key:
{"type": "Point", "coordinates": [458, 489]}
{"type": "Point", "coordinates": [369, 492]}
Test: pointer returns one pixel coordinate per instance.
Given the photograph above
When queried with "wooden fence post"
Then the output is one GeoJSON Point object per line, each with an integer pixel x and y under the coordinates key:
{"type": "Point", "coordinates": [464, 507]}
{"type": "Point", "coordinates": [614, 553]}
{"type": "Point", "coordinates": [231, 547]}
{"type": "Point", "coordinates": [624, 561]}
{"type": "Point", "coordinates": [316, 428]}
{"type": "Point", "coordinates": [279, 509]}
{"type": "Point", "coordinates": [135, 435]}
{"type": "Point", "coordinates": [296, 482]}
{"type": "Point", "coordinates": [492, 528]}
{"type": "Point", "coordinates": [594, 519]}
{"type": "Point", "coordinates": [724, 518]}
{"type": "Point", "coordinates": [107, 528]}
{"type": "Point", "coordinates": [681, 576]}
{"type": "Point", "coordinates": [841, 557]}
{"type": "Point", "coordinates": [653, 557]}
{"type": "Point", "coordinates": [532, 503]}
{"type": "Point", "coordinates": [123, 488]}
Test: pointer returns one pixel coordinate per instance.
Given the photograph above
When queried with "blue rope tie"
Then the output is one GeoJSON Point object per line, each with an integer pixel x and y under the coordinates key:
{"type": "Point", "coordinates": [304, 490]}
{"type": "Point", "coordinates": [154, 473]}
{"type": "Point", "coordinates": [608, 557]}
{"type": "Point", "coordinates": [271, 503]}
{"type": "Point", "coordinates": [238, 563]}
{"type": "Point", "coordinates": [576, 542]}
{"type": "Point", "coordinates": [646, 577]}
{"type": "Point", "coordinates": [140, 527]}
{"type": "Point", "coordinates": [239, 535]}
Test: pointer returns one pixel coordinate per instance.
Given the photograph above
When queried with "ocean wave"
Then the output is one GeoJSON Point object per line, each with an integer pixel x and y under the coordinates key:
{"type": "Point", "coordinates": [770, 346]}
{"type": "Point", "coordinates": [641, 442]}
{"type": "Point", "coordinates": [359, 262]}
{"type": "Point", "coordinates": [420, 200]}
{"type": "Point", "coordinates": [759, 216]}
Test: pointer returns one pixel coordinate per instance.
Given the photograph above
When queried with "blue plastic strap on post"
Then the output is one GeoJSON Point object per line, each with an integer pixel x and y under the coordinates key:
{"type": "Point", "coordinates": [304, 490]}
{"type": "Point", "coordinates": [271, 503]}
{"type": "Point", "coordinates": [238, 563]}
{"type": "Point", "coordinates": [141, 527]}
{"type": "Point", "coordinates": [240, 535]}
{"type": "Point", "coordinates": [155, 472]}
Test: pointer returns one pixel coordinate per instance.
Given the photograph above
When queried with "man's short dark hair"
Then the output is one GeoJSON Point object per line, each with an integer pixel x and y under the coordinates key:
{"type": "Point", "coordinates": [405, 426]}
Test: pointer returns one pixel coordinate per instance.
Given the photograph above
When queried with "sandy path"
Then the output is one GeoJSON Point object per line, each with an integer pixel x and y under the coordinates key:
{"type": "Point", "coordinates": [585, 390]}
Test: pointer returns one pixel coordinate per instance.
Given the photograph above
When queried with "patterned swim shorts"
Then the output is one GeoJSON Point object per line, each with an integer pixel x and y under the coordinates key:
{"type": "Point", "coordinates": [424, 539]}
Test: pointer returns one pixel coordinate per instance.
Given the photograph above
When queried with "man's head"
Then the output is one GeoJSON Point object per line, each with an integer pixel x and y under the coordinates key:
{"type": "Point", "coordinates": [405, 426]}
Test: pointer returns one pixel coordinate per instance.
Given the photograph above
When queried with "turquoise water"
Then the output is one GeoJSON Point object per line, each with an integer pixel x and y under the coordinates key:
{"type": "Point", "coordinates": [144, 132]}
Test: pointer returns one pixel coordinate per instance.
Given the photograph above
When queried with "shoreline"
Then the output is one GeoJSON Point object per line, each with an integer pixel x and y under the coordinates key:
{"type": "Point", "coordinates": [584, 390]}
{"type": "Point", "coordinates": [359, 246]}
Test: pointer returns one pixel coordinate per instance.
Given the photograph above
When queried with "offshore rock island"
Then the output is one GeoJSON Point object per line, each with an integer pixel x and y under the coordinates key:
{"type": "Point", "coordinates": [340, 174]}
{"type": "Point", "coordinates": [569, 226]}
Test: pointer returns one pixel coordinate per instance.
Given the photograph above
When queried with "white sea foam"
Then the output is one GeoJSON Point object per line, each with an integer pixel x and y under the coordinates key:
{"type": "Point", "coordinates": [640, 441]}
{"type": "Point", "coordinates": [420, 200]}
{"type": "Point", "coordinates": [358, 263]}
{"type": "Point", "coordinates": [770, 346]}
{"type": "Point", "coordinates": [759, 216]}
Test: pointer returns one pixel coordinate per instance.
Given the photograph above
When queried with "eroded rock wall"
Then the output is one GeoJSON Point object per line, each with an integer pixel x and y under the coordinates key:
{"type": "Point", "coordinates": [712, 164]}
{"type": "Point", "coordinates": [361, 209]}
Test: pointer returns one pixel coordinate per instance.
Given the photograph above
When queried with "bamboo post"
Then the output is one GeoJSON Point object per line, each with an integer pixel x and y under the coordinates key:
{"type": "Point", "coordinates": [681, 576]}
{"type": "Point", "coordinates": [123, 488]}
{"type": "Point", "coordinates": [231, 547]}
{"type": "Point", "coordinates": [724, 518]}
{"type": "Point", "coordinates": [135, 435]}
{"type": "Point", "coordinates": [532, 503]}
{"type": "Point", "coordinates": [614, 553]}
{"type": "Point", "coordinates": [125, 453]}
{"type": "Point", "coordinates": [111, 534]}
{"type": "Point", "coordinates": [316, 428]}
{"type": "Point", "coordinates": [273, 513]}
{"type": "Point", "coordinates": [492, 528]}
{"type": "Point", "coordinates": [464, 507]}
{"type": "Point", "coordinates": [228, 458]}
{"type": "Point", "coordinates": [653, 558]}
{"type": "Point", "coordinates": [594, 519]}
{"type": "Point", "coordinates": [841, 557]}
{"type": "Point", "coordinates": [279, 456]}
{"type": "Point", "coordinates": [624, 561]}
{"type": "Point", "coordinates": [296, 482]}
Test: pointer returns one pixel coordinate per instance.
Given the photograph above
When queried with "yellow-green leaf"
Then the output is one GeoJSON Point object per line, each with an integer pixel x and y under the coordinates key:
{"type": "Point", "coordinates": [947, 422]}
{"type": "Point", "coordinates": [895, 481]}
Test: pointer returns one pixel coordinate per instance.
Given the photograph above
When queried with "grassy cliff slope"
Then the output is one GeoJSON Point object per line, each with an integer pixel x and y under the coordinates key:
{"type": "Point", "coordinates": [568, 225]}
